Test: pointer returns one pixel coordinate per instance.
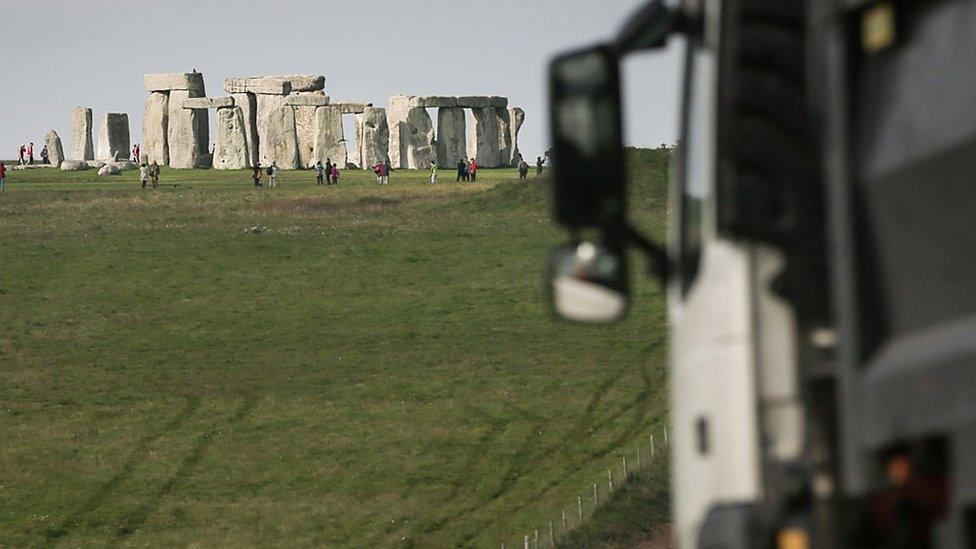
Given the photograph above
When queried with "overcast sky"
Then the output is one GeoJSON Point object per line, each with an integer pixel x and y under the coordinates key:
{"type": "Point", "coordinates": [63, 53]}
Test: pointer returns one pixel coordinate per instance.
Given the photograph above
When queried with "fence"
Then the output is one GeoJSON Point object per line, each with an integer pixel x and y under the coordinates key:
{"type": "Point", "coordinates": [571, 517]}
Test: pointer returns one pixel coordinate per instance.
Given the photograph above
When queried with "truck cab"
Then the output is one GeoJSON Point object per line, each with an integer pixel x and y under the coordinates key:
{"type": "Point", "coordinates": [817, 264]}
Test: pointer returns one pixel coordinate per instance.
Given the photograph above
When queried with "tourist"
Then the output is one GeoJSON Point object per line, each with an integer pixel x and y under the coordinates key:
{"type": "Point", "coordinates": [335, 173]}
{"type": "Point", "coordinates": [273, 174]}
{"type": "Point", "coordinates": [3, 177]}
{"type": "Point", "coordinates": [138, 152]}
{"type": "Point", "coordinates": [538, 166]}
{"type": "Point", "coordinates": [30, 154]}
{"type": "Point", "coordinates": [523, 168]}
{"type": "Point", "coordinates": [45, 159]}
{"type": "Point", "coordinates": [377, 168]}
{"type": "Point", "coordinates": [20, 158]}
{"type": "Point", "coordinates": [256, 176]}
{"type": "Point", "coordinates": [143, 175]}
{"type": "Point", "coordinates": [319, 173]}
{"type": "Point", "coordinates": [383, 172]}
{"type": "Point", "coordinates": [154, 173]}
{"type": "Point", "coordinates": [433, 172]}
{"type": "Point", "coordinates": [462, 170]}
{"type": "Point", "coordinates": [328, 170]}
{"type": "Point", "coordinates": [472, 170]}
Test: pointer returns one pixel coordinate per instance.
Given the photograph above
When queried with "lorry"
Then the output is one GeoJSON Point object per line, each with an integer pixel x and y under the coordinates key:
{"type": "Point", "coordinates": [820, 266]}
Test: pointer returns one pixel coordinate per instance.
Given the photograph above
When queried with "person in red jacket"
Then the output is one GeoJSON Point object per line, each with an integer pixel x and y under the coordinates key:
{"type": "Point", "coordinates": [473, 170]}
{"type": "Point", "coordinates": [3, 177]}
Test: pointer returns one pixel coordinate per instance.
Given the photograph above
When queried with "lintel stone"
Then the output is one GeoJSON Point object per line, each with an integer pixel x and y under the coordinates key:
{"type": "Point", "coordinates": [208, 102]}
{"type": "Point", "coordinates": [307, 100]}
{"type": "Point", "coordinates": [175, 81]}
{"type": "Point", "coordinates": [262, 85]}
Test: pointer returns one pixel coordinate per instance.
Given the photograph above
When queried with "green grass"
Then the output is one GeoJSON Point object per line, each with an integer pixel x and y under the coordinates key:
{"type": "Point", "coordinates": [368, 366]}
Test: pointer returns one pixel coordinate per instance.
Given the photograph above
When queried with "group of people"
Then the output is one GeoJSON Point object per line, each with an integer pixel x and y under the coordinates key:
{"type": "Point", "coordinates": [467, 170]}
{"type": "Point", "coordinates": [327, 174]}
{"type": "Point", "coordinates": [523, 166]}
{"type": "Point", "coordinates": [149, 173]}
{"type": "Point", "coordinates": [25, 155]}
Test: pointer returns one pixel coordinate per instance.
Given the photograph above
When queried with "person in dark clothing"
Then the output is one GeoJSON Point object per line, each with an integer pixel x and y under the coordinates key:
{"type": "Point", "coordinates": [462, 171]}
{"type": "Point", "coordinates": [256, 176]}
{"type": "Point", "coordinates": [539, 161]}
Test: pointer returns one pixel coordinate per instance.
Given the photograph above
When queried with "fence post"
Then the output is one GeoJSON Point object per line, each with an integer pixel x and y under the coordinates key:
{"type": "Point", "coordinates": [596, 498]}
{"type": "Point", "coordinates": [536, 538]}
{"type": "Point", "coordinates": [665, 435]}
{"type": "Point", "coordinates": [552, 535]}
{"type": "Point", "coordinates": [638, 456]}
{"type": "Point", "coordinates": [625, 468]}
{"type": "Point", "coordinates": [610, 479]}
{"type": "Point", "coordinates": [652, 446]}
{"type": "Point", "coordinates": [579, 505]}
{"type": "Point", "coordinates": [565, 522]}
{"type": "Point", "coordinates": [526, 540]}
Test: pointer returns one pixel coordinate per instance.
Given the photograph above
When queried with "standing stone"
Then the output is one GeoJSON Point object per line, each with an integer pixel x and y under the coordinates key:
{"type": "Point", "coordinates": [188, 132]}
{"type": "Point", "coordinates": [113, 136]}
{"type": "Point", "coordinates": [231, 149]}
{"type": "Point", "coordinates": [248, 104]}
{"type": "Point", "coordinates": [55, 151]}
{"type": "Point", "coordinates": [411, 134]}
{"type": "Point", "coordinates": [305, 124]}
{"type": "Point", "coordinates": [277, 135]}
{"type": "Point", "coordinates": [81, 134]}
{"type": "Point", "coordinates": [451, 142]}
{"type": "Point", "coordinates": [155, 127]}
{"type": "Point", "coordinates": [504, 137]}
{"type": "Point", "coordinates": [483, 137]}
{"type": "Point", "coordinates": [329, 140]}
{"type": "Point", "coordinates": [372, 137]}
{"type": "Point", "coordinates": [517, 117]}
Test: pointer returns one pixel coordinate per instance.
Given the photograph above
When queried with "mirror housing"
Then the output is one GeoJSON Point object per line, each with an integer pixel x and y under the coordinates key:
{"type": "Point", "coordinates": [587, 141]}
{"type": "Point", "coordinates": [647, 29]}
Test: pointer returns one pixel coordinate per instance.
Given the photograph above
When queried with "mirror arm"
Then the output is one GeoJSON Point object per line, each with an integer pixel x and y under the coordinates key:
{"type": "Point", "coordinates": [657, 257]}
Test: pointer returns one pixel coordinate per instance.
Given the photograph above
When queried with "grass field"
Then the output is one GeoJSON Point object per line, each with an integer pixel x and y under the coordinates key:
{"type": "Point", "coordinates": [216, 364]}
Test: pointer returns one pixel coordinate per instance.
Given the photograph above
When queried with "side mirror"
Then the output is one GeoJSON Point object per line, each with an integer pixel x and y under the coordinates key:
{"type": "Point", "coordinates": [588, 283]}
{"type": "Point", "coordinates": [587, 143]}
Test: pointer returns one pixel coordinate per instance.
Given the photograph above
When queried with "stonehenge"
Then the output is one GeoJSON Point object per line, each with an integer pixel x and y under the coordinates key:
{"type": "Point", "coordinates": [55, 151]}
{"type": "Point", "coordinates": [81, 134]}
{"type": "Point", "coordinates": [489, 136]}
{"type": "Point", "coordinates": [113, 136]}
{"type": "Point", "coordinates": [289, 119]}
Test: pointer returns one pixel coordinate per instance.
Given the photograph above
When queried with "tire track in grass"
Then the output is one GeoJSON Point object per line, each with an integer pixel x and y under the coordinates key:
{"type": "Point", "coordinates": [128, 468]}
{"type": "Point", "coordinates": [188, 465]}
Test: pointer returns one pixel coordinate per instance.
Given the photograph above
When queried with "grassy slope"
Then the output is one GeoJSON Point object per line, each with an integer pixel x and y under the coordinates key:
{"type": "Point", "coordinates": [374, 366]}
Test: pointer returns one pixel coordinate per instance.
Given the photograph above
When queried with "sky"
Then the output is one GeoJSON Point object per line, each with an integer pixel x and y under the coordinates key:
{"type": "Point", "coordinates": [65, 53]}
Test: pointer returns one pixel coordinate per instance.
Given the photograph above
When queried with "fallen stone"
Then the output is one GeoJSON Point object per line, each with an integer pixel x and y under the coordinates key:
{"type": "Point", "coordinates": [372, 137]}
{"type": "Point", "coordinates": [113, 136]}
{"type": "Point", "coordinates": [208, 102]}
{"type": "Point", "coordinates": [95, 164]}
{"type": "Point", "coordinates": [451, 141]}
{"type": "Point", "coordinates": [188, 133]}
{"type": "Point", "coordinates": [81, 134]}
{"type": "Point", "coordinates": [124, 165]}
{"type": "Point", "coordinates": [74, 165]}
{"type": "Point", "coordinates": [55, 152]}
{"type": "Point", "coordinates": [176, 81]}
{"type": "Point", "coordinates": [247, 102]}
{"type": "Point", "coordinates": [330, 143]}
{"type": "Point", "coordinates": [474, 102]}
{"type": "Point", "coordinates": [231, 151]}
{"type": "Point", "coordinates": [155, 127]}
{"type": "Point", "coordinates": [517, 117]}
{"type": "Point", "coordinates": [109, 169]}
{"type": "Point", "coordinates": [411, 137]}
{"type": "Point", "coordinates": [307, 100]}
{"type": "Point", "coordinates": [277, 134]}
{"type": "Point", "coordinates": [483, 137]}
{"type": "Point", "coordinates": [264, 85]}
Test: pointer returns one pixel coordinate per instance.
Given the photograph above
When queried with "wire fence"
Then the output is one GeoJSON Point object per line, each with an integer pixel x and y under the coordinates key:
{"type": "Point", "coordinates": [577, 512]}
